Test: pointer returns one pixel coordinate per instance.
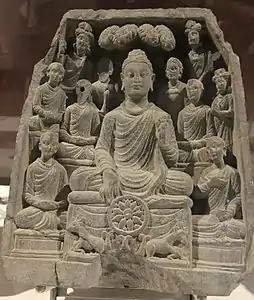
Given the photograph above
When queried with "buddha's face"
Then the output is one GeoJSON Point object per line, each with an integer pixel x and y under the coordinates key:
{"type": "Point", "coordinates": [216, 152]}
{"type": "Point", "coordinates": [193, 38]}
{"type": "Point", "coordinates": [221, 85]}
{"type": "Point", "coordinates": [48, 146]}
{"type": "Point", "coordinates": [137, 80]}
{"type": "Point", "coordinates": [173, 72]}
{"type": "Point", "coordinates": [83, 43]}
{"type": "Point", "coordinates": [194, 92]}
{"type": "Point", "coordinates": [55, 75]}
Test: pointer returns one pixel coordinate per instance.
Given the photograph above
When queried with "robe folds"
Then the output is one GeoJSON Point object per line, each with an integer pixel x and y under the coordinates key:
{"type": "Point", "coordinates": [129, 144]}
{"type": "Point", "coordinates": [49, 99]}
{"type": "Point", "coordinates": [44, 181]}
{"type": "Point", "coordinates": [224, 126]}
{"type": "Point", "coordinates": [79, 121]}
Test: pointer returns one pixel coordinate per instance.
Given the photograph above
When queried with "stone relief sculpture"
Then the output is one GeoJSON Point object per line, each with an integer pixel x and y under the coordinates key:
{"type": "Point", "coordinates": [132, 186]}
{"type": "Point", "coordinates": [77, 64]}
{"type": "Point", "coordinates": [115, 37]}
{"type": "Point", "coordinates": [222, 107]}
{"type": "Point", "coordinates": [195, 124]}
{"type": "Point", "coordinates": [44, 181]}
{"type": "Point", "coordinates": [49, 101]}
{"type": "Point", "coordinates": [172, 99]}
{"type": "Point", "coordinates": [200, 62]}
{"type": "Point", "coordinates": [104, 89]}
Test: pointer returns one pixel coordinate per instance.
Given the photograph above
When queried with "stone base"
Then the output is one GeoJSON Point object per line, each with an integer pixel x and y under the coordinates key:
{"type": "Point", "coordinates": [30, 271]}
{"type": "Point", "coordinates": [119, 294]}
{"type": "Point", "coordinates": [33, 244]}
{"type": "Point", "coordinates": [219, 255]}
{"type": "Point", "coordinates": [77, 274]}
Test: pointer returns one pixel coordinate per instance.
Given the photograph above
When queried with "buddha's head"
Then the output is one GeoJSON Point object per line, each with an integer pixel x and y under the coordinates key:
{"type": "Point", "coordinates": [55, 73]}
{"type": "Point", "coordinates": [216, 148]}
{"type": "Point", "coordinates": [221, 80]}
{"type": "Point", "coordinates": [105, 69]}
{"type": "Point", "coordinates": [137, 75]}
{"type": "Point", "coordinates": [48, 145]}
{"type": "Point", "coordinates": [174, 69]}
{"type": "Point", "coordinates": [84, 38]}
{"type": "Point", "coordinates": [194, 89]}
{"type": "Point", "coordinates": [84, 91]}
{"type": "Point", "coordinates": [193, 30]}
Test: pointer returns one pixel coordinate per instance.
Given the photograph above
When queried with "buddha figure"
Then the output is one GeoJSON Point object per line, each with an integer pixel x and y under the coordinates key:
{"type": "Point", "coordinates": [194, 124]}
{"type": "Point", "coordinates": [104, 89]}
{"type": "Point", "coordinates": [199, 61]}
{"type": "Point", "coordinates": [222, 108]}
{"type": "Point", "coordinates": [49, 102]}
{"type": "Point", "coordinates": [77, 65]}
{"type": "Point", "coordinates": [172, 98]}
{"type": "Point", "coordinates": [137, 145]}
{"type": "Point", "coordinates": [78, 132]}
{"type": "Point", "coordinates": [45, 179]}
{"type": "Point", "coordinates": [220, 184]}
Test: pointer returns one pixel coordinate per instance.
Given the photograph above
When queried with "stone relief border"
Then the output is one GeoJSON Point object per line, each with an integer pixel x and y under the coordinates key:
{"type": "Point", "coordinates": [241, 129]}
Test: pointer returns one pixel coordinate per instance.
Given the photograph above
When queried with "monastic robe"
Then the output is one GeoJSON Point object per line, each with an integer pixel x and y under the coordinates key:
{"type": "Point", "coordinates": [128, 144]}
{"type": "Point", "coordinates": [224, 127]}
{"type": "Point", "coordinates": [172, 100]}
{"type": "Point", "coordinates": [44, 181]}
{"type": "Point", "coordinates": [79, 121]}
{"type": "Point", "coordinates": [219, 200]}
{"type": "Point", "coordinates": [195, 122]}
{"type": "Point", "coordinates": [52, 100]}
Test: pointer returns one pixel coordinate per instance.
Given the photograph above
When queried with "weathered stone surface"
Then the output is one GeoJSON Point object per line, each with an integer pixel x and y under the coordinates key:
{"type": "Point", "coordinates": [156, 202]}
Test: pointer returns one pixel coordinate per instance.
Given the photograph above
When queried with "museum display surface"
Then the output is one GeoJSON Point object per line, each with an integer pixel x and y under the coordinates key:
{"type": "Point", "coordinates": [132, 163]}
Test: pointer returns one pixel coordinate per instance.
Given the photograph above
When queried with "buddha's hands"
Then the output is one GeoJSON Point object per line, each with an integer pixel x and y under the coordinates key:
{"type": "Point", "coordinates": [185, 145]}
{"type": "Point", "coordinates": [224, 214]}
{"type": "Point", "coordinates": [110, 188]}
{"type": "Point", "coordinates": [81, 141]}
{"type": "Point", "coordinates": [47, 205]}
{"type": "Point", "coordinates": [217, 182]}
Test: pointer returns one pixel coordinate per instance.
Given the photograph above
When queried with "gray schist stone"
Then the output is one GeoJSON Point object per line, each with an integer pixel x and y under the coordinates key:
{"type": "Point", "coordinates": [133, 172]}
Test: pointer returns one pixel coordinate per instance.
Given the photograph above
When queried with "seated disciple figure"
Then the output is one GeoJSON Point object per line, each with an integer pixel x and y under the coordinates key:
{"type": "Point", "coordinates": [172, 98]}
{"type": "Point", "coordinates": [76, 63]}
{"type": "Point", "coordinates": [79, 129]}
{"type": "Point", "coordinates": [104, 89]}
{"type": "Point", "coordinates": [137, 144]}
{"type": "Point", "coordinates": [194, 125]}
{"type": "Point", "coordinates": [45, 179]}
{"type": "Point", "coordinates": [222, 108]}
{"type": "Point", "coordinates": [49, 102]}
{"type": "Point", "coordinates": [220, 184]}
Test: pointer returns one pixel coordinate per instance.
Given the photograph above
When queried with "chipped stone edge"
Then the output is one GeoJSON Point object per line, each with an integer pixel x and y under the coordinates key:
{"type": "Point", "coordinates": [241, 138]}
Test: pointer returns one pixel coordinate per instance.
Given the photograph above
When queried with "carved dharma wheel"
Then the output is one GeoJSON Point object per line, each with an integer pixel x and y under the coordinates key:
{"type": "Point", "coordinates": [128, 215]}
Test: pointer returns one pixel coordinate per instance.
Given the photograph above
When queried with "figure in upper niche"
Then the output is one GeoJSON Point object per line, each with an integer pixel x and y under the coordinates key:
{"type": "Point", "coordinates": [220, 184]}
{"type": "Point", "coordinates": [49, 102]}
{"type": "Point", "coordinates": [104, 90]}
{"type": "Point", "coordinates": [45, 179]}
{"type": "Point", "coordinates": [79, 129]}
{"type": "Point", "coordinates": [199, 62]}
{"type": "Point", "coordinates": [137, 143]}
{"type": "Point", "coordinates": [195, 124]}
{"type": "Point", "coordinates": [77, 64]}
{"type": "Point", "coordinates": [222, 107]}
{"type": "Point", "coordinates": [172, 98]}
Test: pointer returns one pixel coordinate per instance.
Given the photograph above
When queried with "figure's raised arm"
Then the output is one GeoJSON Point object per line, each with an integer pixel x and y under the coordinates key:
{"type": "Point", "coordinates": [167, 140]}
